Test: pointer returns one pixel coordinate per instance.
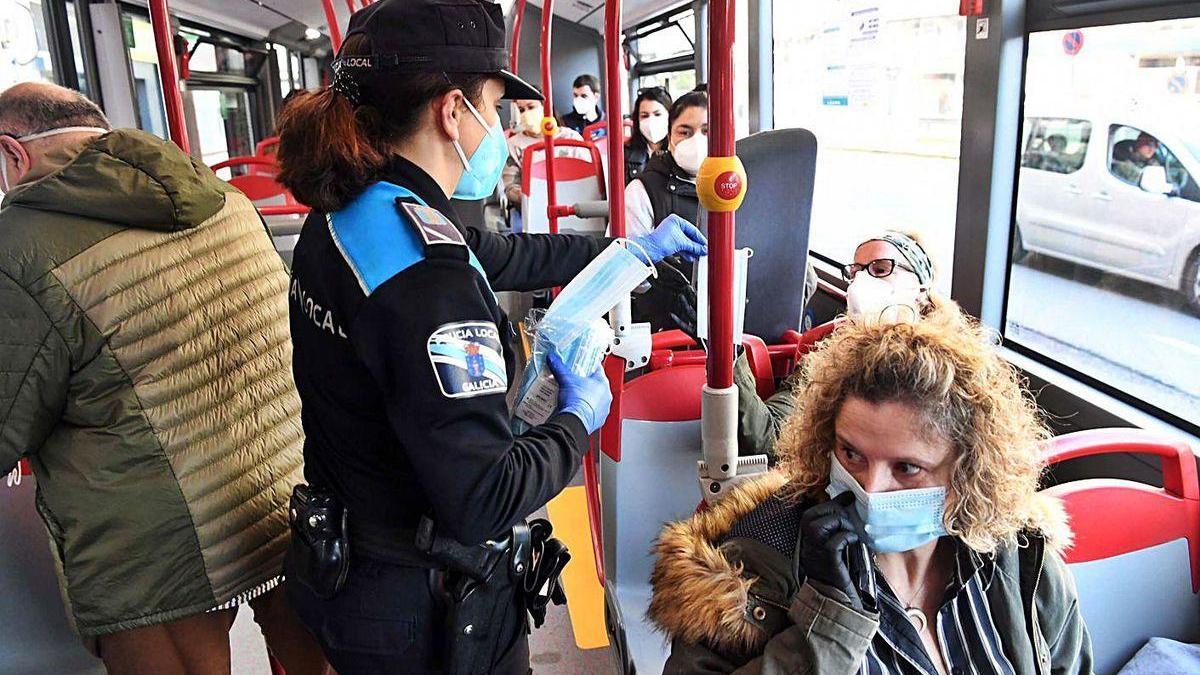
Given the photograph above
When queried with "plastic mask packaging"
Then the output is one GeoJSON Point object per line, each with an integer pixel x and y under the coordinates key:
{"type": "Point", "coordinates": [482, 172]}
{"type": "Point", "coordinates": [895, 521]}
{"type": "Point", "coordinates": [574, 327]}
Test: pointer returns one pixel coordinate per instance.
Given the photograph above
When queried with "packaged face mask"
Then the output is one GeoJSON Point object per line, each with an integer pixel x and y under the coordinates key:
{"type": "Point", "coordinates": [606, 280]}
{"type": "Point", "coordinates": [895, 521]}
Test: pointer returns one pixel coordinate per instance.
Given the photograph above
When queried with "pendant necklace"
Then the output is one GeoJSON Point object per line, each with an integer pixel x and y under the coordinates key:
{"type": "Point", "coordinates": [914, 614]}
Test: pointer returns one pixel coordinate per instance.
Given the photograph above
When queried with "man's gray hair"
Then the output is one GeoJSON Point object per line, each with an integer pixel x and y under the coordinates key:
{"type": "Point", "coordinates": [28, 110]}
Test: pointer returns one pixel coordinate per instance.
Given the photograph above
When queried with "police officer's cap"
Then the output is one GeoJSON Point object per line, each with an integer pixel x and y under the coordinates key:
{"type": "Point", "coordinates": [433, 36]}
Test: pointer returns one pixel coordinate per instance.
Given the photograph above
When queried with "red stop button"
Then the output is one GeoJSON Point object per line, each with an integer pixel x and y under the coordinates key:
{"type": "Point", "coordinates": [728, 185]}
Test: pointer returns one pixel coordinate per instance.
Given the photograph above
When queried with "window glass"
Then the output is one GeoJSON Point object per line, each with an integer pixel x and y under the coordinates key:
{"type": "Point", "coordinates": [24, 49]}
{"type": "Point", "coordinates": [285, 78]}
{"type": "Point", "coordinates": [1057, 145]}
{"type": "Point", "coordinates": [677, 83]}
{"type": "Point", "coordinates": [881, 86]}
{"type": "Point", "coordinates": [674, 40]}
{"type": "Point", "coordinates": [1106, 273]}
{"type": "Point", "coordinates": [223, 124]}
{"type": "Point", "coordinates": [77, 47]}
{"type": "Point", "coordinates": [143, 59]}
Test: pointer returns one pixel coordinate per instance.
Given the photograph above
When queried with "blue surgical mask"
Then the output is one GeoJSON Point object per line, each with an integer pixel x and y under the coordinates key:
{"type": "Point", "coordinates": [895, 521]}
{"type": "Point", "coordinates": [482, 172]}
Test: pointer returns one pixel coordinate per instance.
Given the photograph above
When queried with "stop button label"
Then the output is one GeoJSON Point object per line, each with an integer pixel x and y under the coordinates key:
{"type": "Point", "coordinates": [728, 185]}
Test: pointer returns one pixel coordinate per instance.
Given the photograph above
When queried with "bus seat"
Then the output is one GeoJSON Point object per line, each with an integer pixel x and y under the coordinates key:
{"type": "Point", "coordinates": [262, 188]}
{"type": "Point", "coordinates": [1137, 547]}
{"type": "Point", "coordinates": [577, 180]}
{"type": "Point", "coordinates": [652, 480]}
{"type": "Point", "coordinates": [597, 133]}
{"type": "Point", "coordinates": [774, 218]}
{"type": "Point", "coordinates": [37, 638]}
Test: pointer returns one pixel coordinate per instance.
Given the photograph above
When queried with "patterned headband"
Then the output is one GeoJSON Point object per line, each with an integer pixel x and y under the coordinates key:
{"type": "Point", "coordinates": [913, 253]}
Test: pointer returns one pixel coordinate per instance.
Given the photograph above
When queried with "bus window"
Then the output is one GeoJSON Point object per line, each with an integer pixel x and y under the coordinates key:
{"type": "Point", "coordinates": [881, 87]}
{"type": "Point", "coordinates": [24, 50]}
{"type": "Point", "coordinates": [223, 123]}
{"type": "Point", "coordinates": [1105, 278]}
{"type": "Point", "coordinates": [143, 59]}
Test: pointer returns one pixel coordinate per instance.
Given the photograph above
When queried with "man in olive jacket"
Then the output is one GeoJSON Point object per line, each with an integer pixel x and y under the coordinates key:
{"type": "Point", "coordinates": [145, 374]}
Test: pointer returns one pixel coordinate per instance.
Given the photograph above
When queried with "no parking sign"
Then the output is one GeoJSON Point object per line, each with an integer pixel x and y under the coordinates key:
{"type": "Point", "coordinates": [1073, 42]}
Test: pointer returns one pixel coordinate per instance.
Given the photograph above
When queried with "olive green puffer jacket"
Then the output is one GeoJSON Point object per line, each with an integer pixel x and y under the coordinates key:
{"type": "Point", "coordinates": [146, 374]}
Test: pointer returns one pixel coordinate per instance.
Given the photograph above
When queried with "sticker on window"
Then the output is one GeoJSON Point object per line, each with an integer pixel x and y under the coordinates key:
{"type": "Point", "coordinates": [468, 359]}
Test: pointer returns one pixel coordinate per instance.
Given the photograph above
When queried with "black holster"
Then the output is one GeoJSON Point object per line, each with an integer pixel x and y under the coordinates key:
{"type": "Point", "coordinates": [481, 583]}
{"type": "Point", "coordinates": [319, 553]}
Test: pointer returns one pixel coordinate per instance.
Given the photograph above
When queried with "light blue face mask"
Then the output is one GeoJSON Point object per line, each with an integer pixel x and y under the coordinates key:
{"type": "Point", "coordinates": [482, 172]}
{"type": "Point", "coordinates": [893, 521]}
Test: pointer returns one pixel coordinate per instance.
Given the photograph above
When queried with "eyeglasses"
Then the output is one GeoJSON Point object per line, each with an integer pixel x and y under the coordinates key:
{"type": "Point", "coordinates": [878, 268]}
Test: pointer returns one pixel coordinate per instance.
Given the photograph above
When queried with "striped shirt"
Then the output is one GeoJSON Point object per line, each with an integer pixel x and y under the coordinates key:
{"type": "Point", "coordinates": [968, 638]}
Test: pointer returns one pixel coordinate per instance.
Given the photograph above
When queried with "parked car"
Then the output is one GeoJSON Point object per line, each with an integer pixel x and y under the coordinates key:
{"type": "Point", "coordinates": [1114, 192]}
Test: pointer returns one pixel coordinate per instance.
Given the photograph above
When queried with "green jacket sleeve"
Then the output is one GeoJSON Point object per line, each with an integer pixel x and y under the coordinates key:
{"type": "Point", "coordinates": [1070, 646]}
{"type": "Point", "coordinates": [825, 637]}
{"type": "Point", "coordinates": [34, 370]}
{"type": "Point", "coordinates": [759, 421]}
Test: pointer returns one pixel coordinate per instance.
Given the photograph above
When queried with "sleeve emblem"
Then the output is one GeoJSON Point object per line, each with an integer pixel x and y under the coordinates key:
{"type": "Point", "coordinates": [468, 359]}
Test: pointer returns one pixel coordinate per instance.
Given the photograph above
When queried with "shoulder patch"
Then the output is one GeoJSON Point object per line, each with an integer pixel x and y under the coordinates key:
{"type": "Point", "coordinates": [433, 226]}
{"type": "Point", "coordinates": [468, 359]}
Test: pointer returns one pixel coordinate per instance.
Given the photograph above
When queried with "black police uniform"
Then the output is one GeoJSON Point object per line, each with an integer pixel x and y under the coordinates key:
{"type": "Point", "coordinates": [402, 358]}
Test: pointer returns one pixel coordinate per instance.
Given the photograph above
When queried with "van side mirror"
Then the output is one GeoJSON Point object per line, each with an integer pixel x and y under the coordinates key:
{"type": "Point", "coordinates": [1154, 180]}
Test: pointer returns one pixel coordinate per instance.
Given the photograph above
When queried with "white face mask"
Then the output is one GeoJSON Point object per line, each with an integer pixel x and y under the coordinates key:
{"type": "Point", "coordinates": [691, 152]}
{"type": "Point", "coordinates": [893, 299]}
{"type": "Point", "coordinates": [654, 128]}
{"type": "Point", "coordinates": [5, 187]}
{"type": "Point", "coordinates": [585, 104]}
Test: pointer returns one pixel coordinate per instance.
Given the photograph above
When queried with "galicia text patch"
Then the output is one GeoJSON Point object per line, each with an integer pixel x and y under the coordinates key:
{"type": "Point", "coordinates": [468, 359]}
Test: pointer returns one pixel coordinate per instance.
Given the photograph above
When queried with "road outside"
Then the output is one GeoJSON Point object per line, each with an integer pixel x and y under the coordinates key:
{"type": "Point", "coordinates": [1135, 337]}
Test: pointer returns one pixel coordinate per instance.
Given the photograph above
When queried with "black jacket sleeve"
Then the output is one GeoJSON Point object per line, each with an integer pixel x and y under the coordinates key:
{"type": "Point", "coordinates": [479, 479]}
{"type": "Point", "coordinates": [530, 262]}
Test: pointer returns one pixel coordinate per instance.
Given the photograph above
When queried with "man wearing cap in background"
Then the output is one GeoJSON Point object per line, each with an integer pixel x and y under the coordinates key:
{"type": "Point", "coordinates": [403, 358]}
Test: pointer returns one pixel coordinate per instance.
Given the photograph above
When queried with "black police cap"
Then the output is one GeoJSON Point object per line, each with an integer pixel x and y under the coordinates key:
{"type": "Point", "coordinates": [433, 36]}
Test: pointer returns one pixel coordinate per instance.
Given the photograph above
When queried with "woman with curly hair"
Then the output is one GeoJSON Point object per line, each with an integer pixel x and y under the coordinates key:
{"type": "Point", "coordinates": [904, 532]}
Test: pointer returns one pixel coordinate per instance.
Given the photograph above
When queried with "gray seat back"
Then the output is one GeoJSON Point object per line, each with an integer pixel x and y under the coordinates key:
{"type": "Point", "coordinates": [773, 221]}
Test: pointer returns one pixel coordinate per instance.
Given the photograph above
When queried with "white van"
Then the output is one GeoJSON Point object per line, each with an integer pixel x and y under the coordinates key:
{"type": "Point", "coordinates": [1078, 202]}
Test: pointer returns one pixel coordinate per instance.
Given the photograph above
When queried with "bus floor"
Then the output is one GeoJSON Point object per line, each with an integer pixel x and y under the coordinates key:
{"type": "Point", "coordinates": [554, 648]}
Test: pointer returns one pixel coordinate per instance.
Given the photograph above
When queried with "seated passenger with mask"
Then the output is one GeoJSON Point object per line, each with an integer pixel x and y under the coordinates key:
{"type": "Point", "coordinates": [529, 132]}
{"type": "Point", "coordinates": [890, 278]}
{"type": "Point", "coordinates": [905, 534]}
{"type": "Point", "coordinates": [666, 187]}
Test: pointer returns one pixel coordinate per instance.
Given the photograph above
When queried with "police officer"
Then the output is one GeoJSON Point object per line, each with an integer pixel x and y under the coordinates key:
{"type": "Point", "coordinates": [402, 356]}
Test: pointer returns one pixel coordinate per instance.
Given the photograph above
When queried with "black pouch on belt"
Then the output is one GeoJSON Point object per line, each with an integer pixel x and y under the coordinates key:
{"type": "Point", "coordinates": [319, 554]}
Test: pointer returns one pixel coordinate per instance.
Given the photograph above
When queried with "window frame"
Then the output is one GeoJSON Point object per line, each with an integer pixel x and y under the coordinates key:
{"type": "Point", "coordinates": [1029, 136]}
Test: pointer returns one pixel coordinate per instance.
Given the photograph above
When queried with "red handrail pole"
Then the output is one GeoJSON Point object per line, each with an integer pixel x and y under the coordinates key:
{"type": "Point", "coordinates": [335, 35]}
{"type": "Point", "coordinates": [514, 56]}
{"type": "Point", "coordinates": [722, 15]}
{"type": "Point", "coordinates": [160, 18]}
{"type": "Point", "coordinates": [549, 130]}
{"type": "Point", "coordinates": [350, 5]}
{"type": "Point", "coordinates": [613, 62]}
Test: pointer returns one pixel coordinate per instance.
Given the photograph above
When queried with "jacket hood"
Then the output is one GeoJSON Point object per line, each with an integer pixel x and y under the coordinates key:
{"type": "Point", "coordinates": [699, 594]}
{"type": "Point", "coordinates": [128, 177]}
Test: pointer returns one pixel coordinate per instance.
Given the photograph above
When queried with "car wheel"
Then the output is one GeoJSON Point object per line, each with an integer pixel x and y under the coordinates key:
{"type": "Point", "coordinates": [1191, 282]}
{"type": "Point", "coordinates": [1019, 254]}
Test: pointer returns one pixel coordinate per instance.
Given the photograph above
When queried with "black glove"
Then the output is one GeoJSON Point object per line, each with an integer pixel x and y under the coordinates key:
{"type": "Point", "coordinates": [826, 532]}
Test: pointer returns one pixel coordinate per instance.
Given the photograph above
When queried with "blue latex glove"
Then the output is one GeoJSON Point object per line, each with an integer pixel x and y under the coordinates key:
{"type": "Point", "coordinates": [674, 236]}
{"type": "Point", "coordinates": [587, 398]}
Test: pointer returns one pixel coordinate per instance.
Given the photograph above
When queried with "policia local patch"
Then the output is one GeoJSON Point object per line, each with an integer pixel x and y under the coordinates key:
{"type": "Point", "coordinates": [468, 359]}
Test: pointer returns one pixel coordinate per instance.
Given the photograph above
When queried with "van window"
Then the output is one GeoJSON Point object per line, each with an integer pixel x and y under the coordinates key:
{"type": "Point", "coordinates": [1056, 145]}
{"type": "Point", "coordinates": [1129, 152]}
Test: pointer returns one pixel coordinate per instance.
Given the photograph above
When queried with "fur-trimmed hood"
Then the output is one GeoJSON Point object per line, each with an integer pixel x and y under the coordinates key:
{"type": "Point", "coordinates": [699, 593]}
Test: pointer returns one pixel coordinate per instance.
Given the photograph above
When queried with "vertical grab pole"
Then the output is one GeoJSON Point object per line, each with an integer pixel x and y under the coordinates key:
{"type": "Point", "coordinates": [514, 57]}
{"type": "Point", "coordinates": [160, 17]}
{"type": "Point", "coordinates": [335, 35]}
{"type": "Point", "coordinates": [721, 186]}
{"type": "Point", "coordinates": [549, 125]}
{"type": "Point", "coordinates": [613, 63]}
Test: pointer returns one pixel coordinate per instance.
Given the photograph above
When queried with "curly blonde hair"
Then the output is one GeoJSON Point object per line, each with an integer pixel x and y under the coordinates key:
{"type": "Point", "coordinates": [946, 366]}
